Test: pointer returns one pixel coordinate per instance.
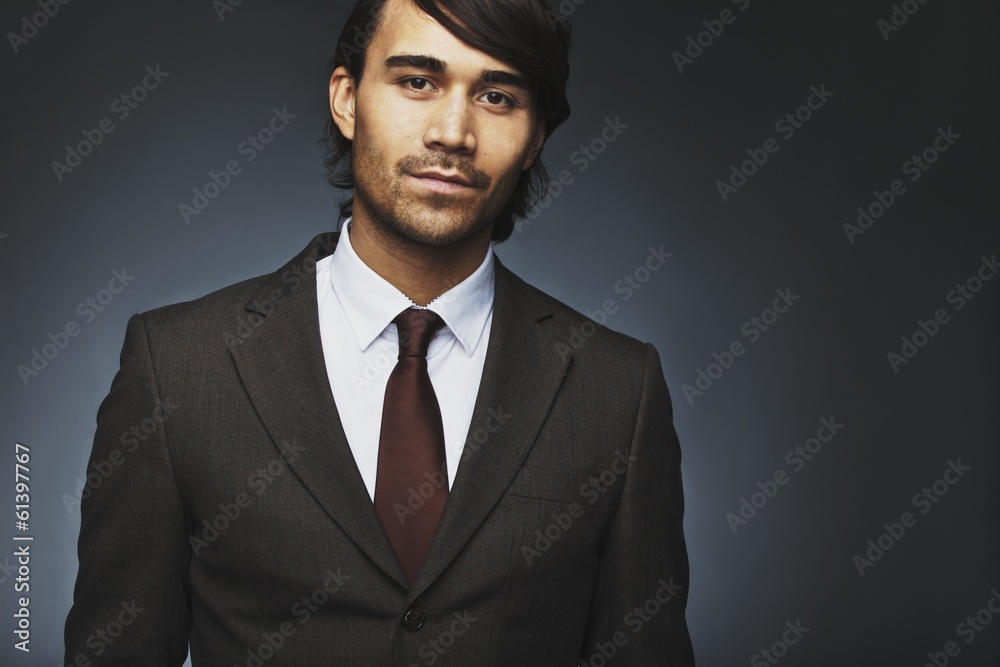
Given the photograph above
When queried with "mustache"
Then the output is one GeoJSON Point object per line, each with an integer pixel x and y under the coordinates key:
{"type": "Point", "coordinates": [414, 163]}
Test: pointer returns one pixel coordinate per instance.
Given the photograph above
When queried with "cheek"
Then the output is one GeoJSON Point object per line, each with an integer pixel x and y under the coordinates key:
{"type": "Point", "coordinates": [517, 163]}
{"type": "Point", "coordinates": [505, 160]}
{"type": "Point", "coordinates": [385, 123]}
{"type": "Point", "coordinates": [521, 151]}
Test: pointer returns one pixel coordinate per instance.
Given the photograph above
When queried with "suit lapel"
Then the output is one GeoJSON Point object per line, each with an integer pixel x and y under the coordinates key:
{"type": "Point", "coordinates": [283, 369]}
{"type": "Point", "coordinates": [522, 373]}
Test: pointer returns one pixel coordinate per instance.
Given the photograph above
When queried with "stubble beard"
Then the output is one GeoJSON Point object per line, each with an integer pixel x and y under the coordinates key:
{"type": "Point", "coordinates": [430, 220]}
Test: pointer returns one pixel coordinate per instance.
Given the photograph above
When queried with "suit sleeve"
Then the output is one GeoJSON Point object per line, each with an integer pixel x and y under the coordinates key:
{"type": "Point", "coordinates": [638, 607]}
{"type": "Point", "coordinates": [130, 606]}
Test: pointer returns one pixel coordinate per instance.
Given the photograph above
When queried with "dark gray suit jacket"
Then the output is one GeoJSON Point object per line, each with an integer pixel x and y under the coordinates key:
{"type": "Point", "coordinates": [233, 515]}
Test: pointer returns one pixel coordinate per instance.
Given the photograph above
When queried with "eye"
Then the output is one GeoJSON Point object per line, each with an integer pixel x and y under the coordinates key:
{"type": "Point", "coordinates": [416, 83]}
{"type": "Point", "coordinates": [499, 99]}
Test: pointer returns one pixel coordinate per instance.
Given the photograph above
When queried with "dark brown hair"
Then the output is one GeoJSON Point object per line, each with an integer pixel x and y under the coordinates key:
{"type": "Point", "coordinates": [526, 34]}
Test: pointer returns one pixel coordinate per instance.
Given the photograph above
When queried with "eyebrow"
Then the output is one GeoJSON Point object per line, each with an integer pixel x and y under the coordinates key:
{"type": "Point", "coordinates": [438, 66]}
{"type": "Point", "coordinates": [429, 63]}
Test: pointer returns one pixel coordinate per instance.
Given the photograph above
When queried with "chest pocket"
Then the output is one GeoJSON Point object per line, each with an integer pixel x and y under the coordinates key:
{"type": "Point", "coordinates": [552, 484]}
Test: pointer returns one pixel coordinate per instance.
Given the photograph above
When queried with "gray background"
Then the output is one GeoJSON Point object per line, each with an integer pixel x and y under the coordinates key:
{"type": "Point", "coordinates": [656, 184]}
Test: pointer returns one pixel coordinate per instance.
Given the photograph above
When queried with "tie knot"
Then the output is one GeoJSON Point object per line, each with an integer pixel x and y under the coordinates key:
{"type": "Point", "coordinates": [416, 327]}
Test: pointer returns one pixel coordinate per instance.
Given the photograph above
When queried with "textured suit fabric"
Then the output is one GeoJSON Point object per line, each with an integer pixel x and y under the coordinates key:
{"type": "Point", "coordinates": [243, 524]}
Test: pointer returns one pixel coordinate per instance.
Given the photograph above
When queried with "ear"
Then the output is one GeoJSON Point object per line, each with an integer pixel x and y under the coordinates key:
{"type": "Point", "coordinates": [342, 101]}
{"type": "Point", "coordinates": [536, 146]}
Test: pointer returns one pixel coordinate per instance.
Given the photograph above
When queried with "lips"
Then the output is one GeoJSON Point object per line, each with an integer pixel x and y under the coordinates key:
{"type": "Point", "coordinates": [448, 178]}
{"type": "Point", "coordinates": [440, 183]}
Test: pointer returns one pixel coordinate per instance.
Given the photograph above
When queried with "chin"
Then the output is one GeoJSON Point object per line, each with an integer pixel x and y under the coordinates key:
{"type": "Point", "coordinates": [440, 234]}
{"type": "Point", "coordinates": [436, 229]}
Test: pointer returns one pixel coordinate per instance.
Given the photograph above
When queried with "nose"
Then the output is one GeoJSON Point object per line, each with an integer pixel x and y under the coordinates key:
{"type": "Point", "coordinates": [451, 125]}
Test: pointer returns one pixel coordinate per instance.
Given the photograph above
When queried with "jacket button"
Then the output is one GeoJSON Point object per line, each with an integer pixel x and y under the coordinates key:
{"type": "Point", "coordinates": [413, 619]}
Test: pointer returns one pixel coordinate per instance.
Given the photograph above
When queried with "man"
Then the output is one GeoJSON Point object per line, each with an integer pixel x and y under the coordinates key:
{"type": "Point", "coordinates": [393, 451]}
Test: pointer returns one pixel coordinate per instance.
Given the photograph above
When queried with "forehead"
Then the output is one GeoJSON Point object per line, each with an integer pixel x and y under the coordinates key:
{"type": "Point", "coordinates": [406, 29]}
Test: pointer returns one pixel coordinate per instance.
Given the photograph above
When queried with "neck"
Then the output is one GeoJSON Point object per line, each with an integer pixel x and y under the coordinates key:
{"type": "Point", "coordinates": [421, 272]}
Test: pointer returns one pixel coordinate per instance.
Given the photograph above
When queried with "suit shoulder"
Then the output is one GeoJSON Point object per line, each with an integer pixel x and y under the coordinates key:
{"type": "Point", "coordinates": [202, 312]}
{"type": "Point", "coordinates": [221, 309]}
{"type": "Point", "coordinates": [581, 333]}
{"type": "Point", "coordinates": [203, 328]}
{"type": "Point", "coordinates": [608, 365]}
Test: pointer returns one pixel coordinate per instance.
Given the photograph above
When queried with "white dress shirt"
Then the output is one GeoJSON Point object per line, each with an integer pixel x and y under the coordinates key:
{"type": "Point", "coordinates": [361, 347]}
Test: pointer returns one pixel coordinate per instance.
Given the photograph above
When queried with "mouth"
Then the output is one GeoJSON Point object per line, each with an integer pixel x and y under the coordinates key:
{"type": "Point", "coordinates": [439, 182]}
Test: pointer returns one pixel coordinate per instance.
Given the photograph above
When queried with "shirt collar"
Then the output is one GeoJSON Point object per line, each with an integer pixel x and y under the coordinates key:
{"type": "Point", "coordinates": [371, 302]}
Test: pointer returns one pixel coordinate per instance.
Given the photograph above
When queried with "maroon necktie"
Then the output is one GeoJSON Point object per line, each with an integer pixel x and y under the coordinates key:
{"type": "Point", "coordinates": [411, 485]}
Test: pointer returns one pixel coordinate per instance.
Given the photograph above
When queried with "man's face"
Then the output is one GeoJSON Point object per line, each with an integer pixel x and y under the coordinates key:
{"type": "Point", "coordinates": [425, 106]}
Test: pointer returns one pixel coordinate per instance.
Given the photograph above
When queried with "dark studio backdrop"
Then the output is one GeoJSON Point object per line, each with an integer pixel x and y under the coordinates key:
{"type": "Point", "coordinates": [833, 370]}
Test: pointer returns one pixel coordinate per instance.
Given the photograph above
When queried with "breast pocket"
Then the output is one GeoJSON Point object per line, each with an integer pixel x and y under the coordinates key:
{"type": "Point", "coordinates": [552, 484]}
